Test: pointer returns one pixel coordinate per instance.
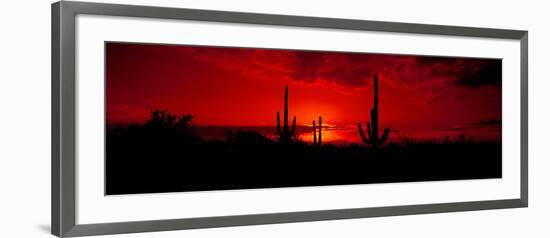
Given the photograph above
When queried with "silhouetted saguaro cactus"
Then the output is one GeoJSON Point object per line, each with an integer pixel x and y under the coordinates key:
{"type": "Point", "coordinates": [320, 131]}
{"type": "Point", "coordinates": [318, 142]}
{"type": "Point", "coordinates": [372, 137]}
{"type": "Point", "coordinates": [286, 134]}
{"type": "Point", "coordinates": [314, 134]}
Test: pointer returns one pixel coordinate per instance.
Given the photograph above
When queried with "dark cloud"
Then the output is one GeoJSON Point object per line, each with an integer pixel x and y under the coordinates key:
{"type": "Point", "coordinates": [480, 124]}
{"type": "Point", "coordinates": [428, 61]}
{"type": "Point", "coordinates": [308, 66]}
{"type": "Point", "coordinates": [353, 69]}
{"type": "Point", "coordinates": [490, 122]}
{"type": "Point", "coordinates": [340, 68]}
{"type": "Point", "coordinates": [485, 73]}
{"type": "Point", "coordinates": [464, 72]}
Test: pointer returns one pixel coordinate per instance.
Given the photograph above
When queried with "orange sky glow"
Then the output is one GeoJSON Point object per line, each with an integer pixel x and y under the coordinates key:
{"type": "Point", "coordinates": [245, 86]}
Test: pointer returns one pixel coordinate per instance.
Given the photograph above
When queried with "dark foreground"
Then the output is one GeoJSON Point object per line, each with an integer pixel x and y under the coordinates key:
{"type": "Point", "coordinates": [140, 159]}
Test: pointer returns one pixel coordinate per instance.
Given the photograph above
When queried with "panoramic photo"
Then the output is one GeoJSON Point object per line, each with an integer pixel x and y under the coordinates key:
{"type": "Point", "coordinates": [183, 118]}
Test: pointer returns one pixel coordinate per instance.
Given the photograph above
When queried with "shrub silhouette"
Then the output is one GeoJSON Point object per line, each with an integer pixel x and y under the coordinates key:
{"type": "Point", "coordinates": [163, 121]}
{"type": "Point", "coordinates": [372, 137]}
{"type": "Point", "coordinates": [245, 138]}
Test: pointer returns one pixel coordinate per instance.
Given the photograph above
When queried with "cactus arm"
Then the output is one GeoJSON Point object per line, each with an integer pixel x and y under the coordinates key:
{"type": "Point", "coordinates": [278, 124]}
{"type": "Point", "coordinates": [369, 132]}
{"type": "Point", "coordinates": [362, 134]}
{"type": "Point", "coordinates": [384, 135]}
{"type": "Point", "coordinates": [293, 127]}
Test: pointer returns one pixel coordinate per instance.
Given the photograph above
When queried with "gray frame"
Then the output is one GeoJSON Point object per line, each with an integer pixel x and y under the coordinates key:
{"type": "Point", "coordinates": [63, 118]}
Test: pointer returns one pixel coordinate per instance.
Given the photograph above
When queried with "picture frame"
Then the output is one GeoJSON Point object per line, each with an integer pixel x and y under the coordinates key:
{"type": "Point", "coordinates": [64, 120]}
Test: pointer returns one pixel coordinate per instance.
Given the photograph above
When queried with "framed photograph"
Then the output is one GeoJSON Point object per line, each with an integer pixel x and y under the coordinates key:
{"type": "Point", "coordinates": [167, 119]}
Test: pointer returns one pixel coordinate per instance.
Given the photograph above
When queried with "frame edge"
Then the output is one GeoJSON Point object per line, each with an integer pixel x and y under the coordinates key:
{"type": "Point", "coordinates": [63, 217]}
{"type": "Point", "coordinates": [287, 20]}
{"type": "Point", "coordinates": [277, 218]}
{"type": "Point", "coordinates": [63, 118]}
{"type": "Point", "coordinates": [524, 78]}
{"type": "Point", "coordinates": [55, 119]}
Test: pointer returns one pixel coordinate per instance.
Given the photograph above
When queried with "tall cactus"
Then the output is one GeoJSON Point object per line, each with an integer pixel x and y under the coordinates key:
{"type": "Point", "coordinates": [286, 134]}
{"type": "Point", "coordinates": [314, 134]}
{"type": "Point", "coordinates": [372, 137]}
{"type": "Point", "coordinates": [318, 142]}
{"type": "Point", "coordinates": [320, 131]}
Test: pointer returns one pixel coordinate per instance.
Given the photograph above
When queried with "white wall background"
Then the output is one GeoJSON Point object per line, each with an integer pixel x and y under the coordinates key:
{"type": "Point", "coordinates": [25, 118]}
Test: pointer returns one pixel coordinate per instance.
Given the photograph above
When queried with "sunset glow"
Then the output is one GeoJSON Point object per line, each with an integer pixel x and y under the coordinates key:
{"type": "Point", "coordinates": [421, 97]}
{"type": "Point", "coordinates": [201, 118]}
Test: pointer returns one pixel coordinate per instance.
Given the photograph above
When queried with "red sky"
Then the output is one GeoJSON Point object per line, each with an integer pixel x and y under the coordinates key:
{"type": "Point", "coordinates": [244, 86]}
